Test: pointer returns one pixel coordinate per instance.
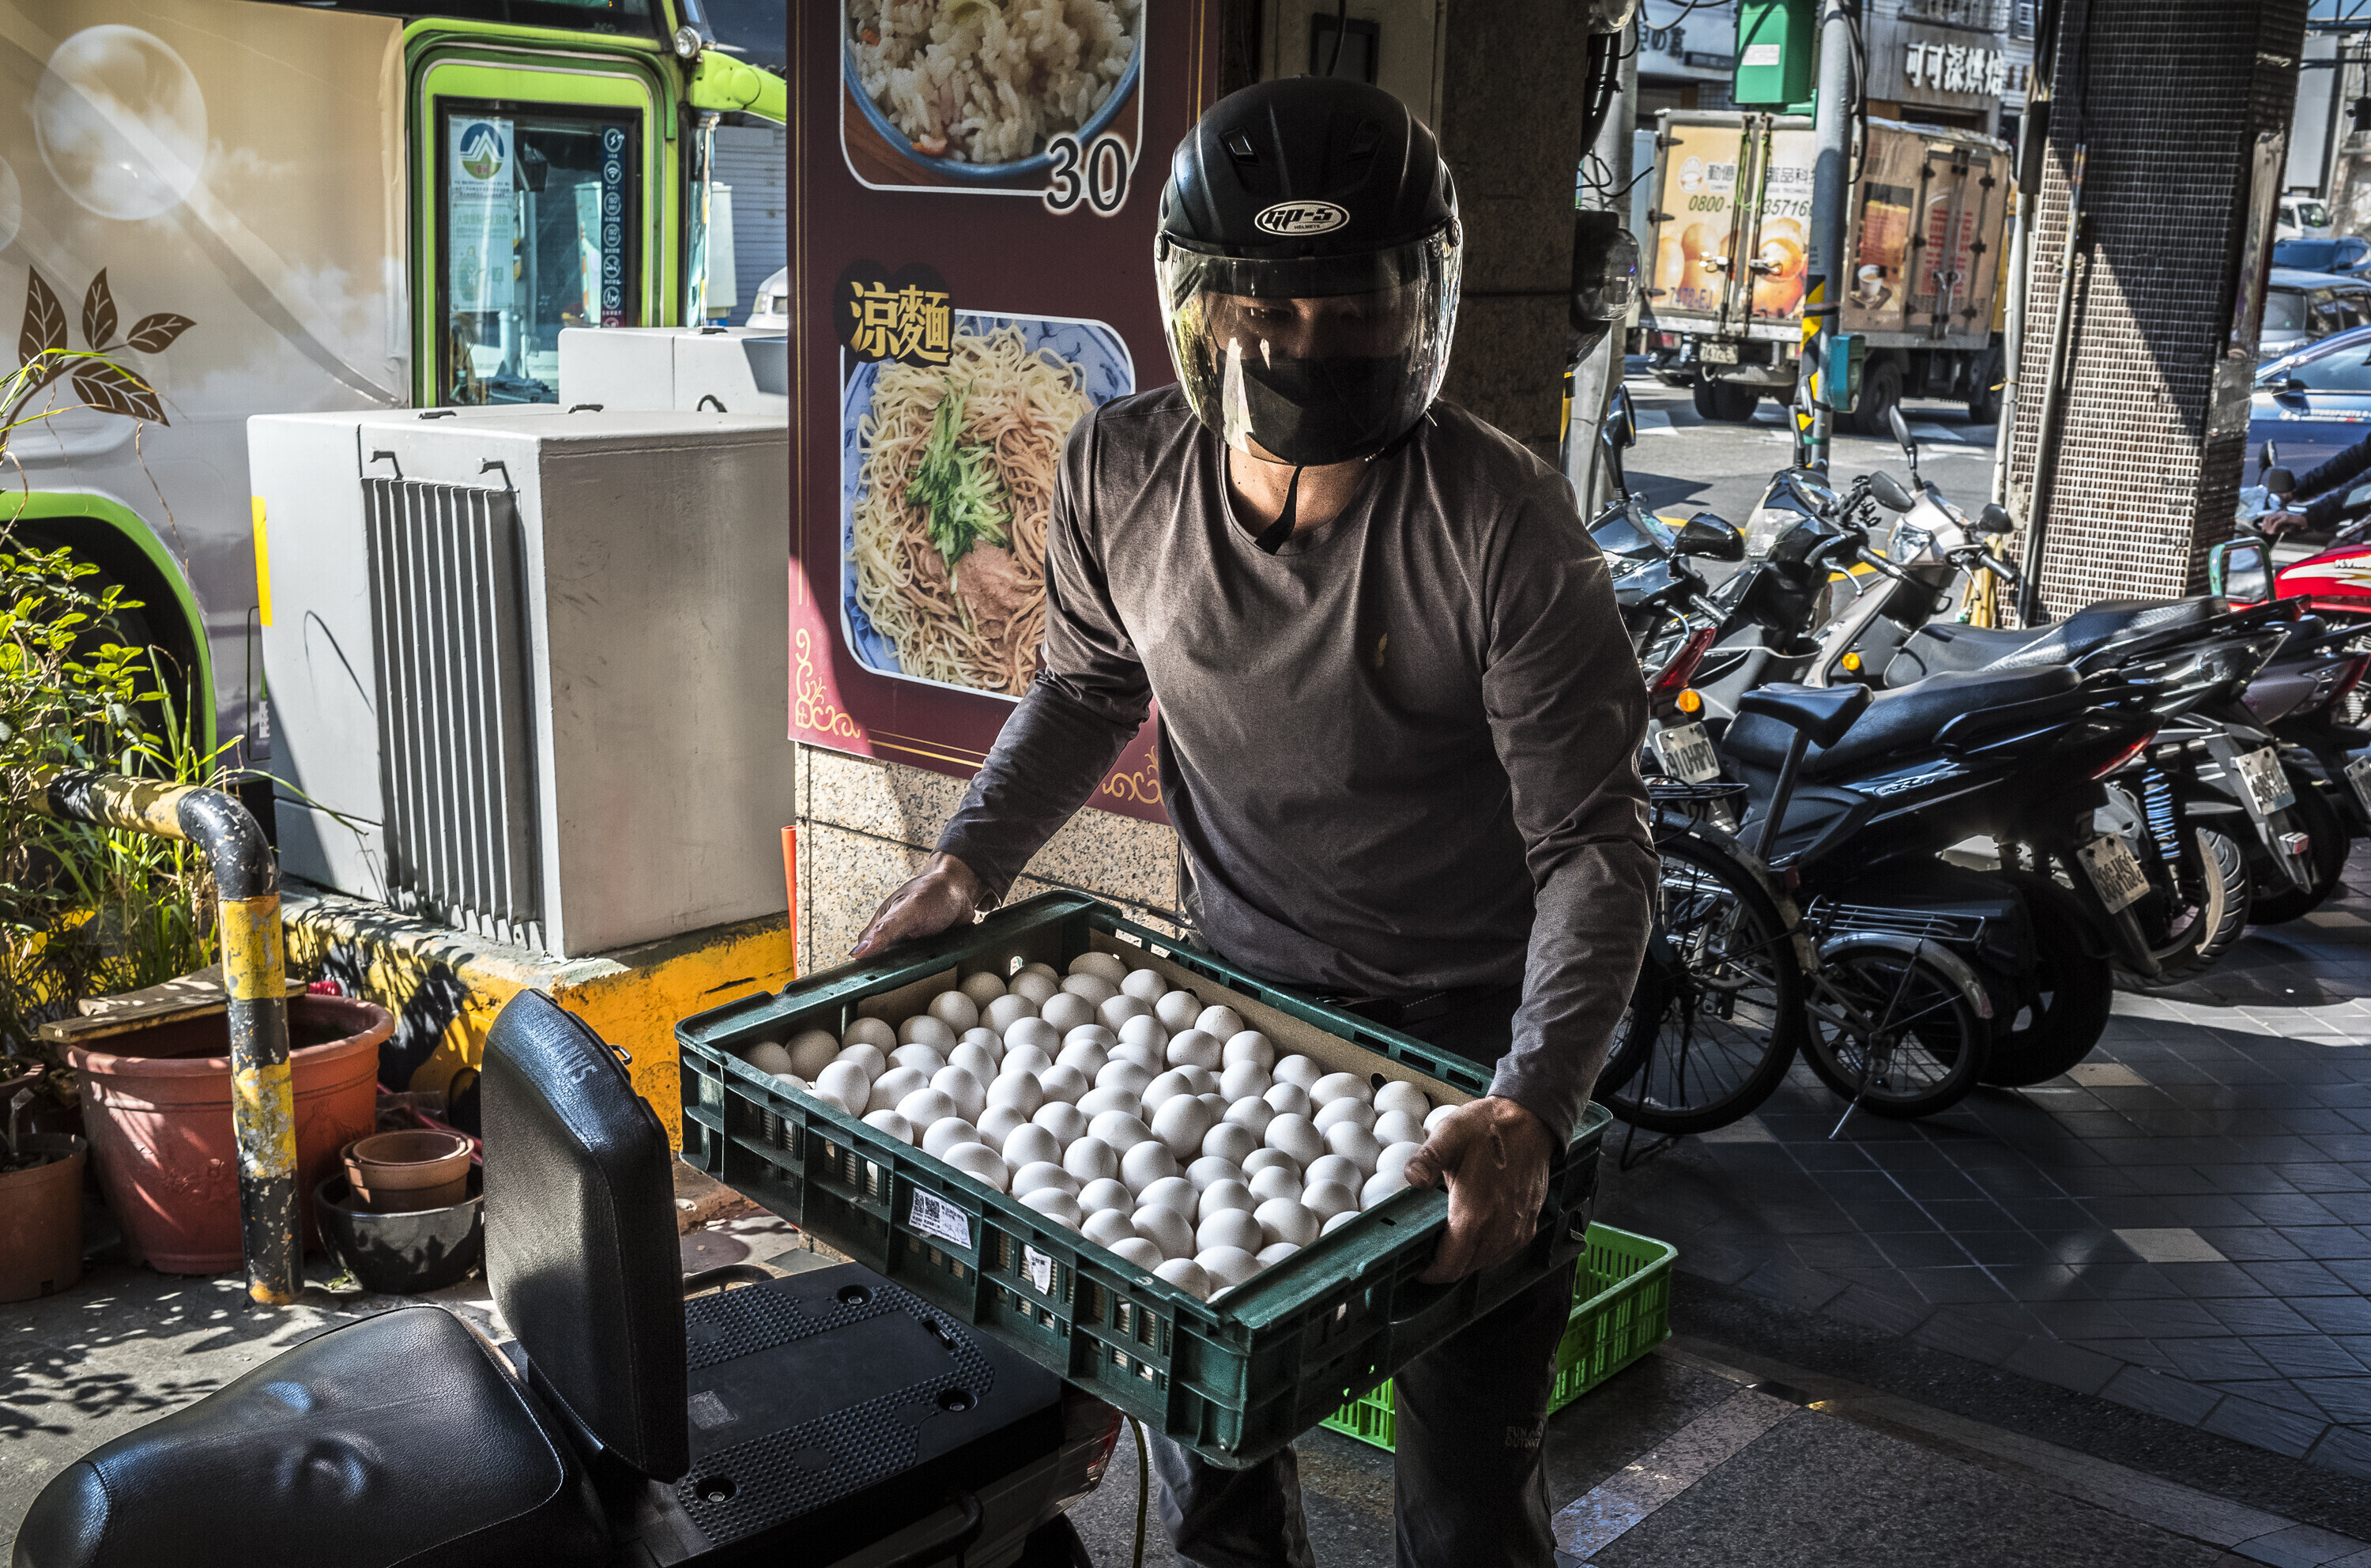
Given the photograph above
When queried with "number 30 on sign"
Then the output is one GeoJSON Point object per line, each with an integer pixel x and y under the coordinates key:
{"type": "Point", "coordinates": [1095, 176]}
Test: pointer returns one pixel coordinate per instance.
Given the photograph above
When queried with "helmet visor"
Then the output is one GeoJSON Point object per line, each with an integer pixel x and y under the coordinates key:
{"type": "Point", "coordinates": [1316, 360]}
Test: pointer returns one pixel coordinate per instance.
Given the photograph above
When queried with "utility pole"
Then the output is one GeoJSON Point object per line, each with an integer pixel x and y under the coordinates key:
{"type": "Point", "coordinates": [1830, 267]}
{"type": "Point", "coordinates": [1595, 378]}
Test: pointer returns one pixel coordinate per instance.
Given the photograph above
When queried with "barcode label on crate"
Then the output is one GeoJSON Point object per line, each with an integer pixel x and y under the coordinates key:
{"type": "Point", "coordinates": [1040, 1269]}
{"type": "Point", "coordinates": [933, 1215]}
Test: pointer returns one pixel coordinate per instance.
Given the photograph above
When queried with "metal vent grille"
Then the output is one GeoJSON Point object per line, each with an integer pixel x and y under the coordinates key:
{"type": "Point", "coordinates": [448, 639]}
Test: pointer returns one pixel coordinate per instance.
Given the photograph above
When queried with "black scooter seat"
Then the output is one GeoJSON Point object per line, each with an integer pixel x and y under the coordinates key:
{"type": "Point", "coordinates": [1933, 648]}
{"type": "Point", "coordinates": [1897, 720]}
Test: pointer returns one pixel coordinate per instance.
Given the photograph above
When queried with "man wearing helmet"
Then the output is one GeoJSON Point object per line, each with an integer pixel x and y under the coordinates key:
{"type": "Point", "coordinates": [1400, 725]}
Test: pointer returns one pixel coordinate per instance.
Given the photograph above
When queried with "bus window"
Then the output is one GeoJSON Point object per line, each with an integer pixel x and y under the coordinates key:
{"type": "Point", "coordinates": [537, 232]}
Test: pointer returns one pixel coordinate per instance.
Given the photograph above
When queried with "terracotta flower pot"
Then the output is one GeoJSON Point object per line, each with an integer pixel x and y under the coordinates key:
{"type": "Point", "coordinates": [406, 1172]}
{"type": "Point", "coordinates": [157, 1101]}
{"type": "Point", "coordinates": [40, 1219]}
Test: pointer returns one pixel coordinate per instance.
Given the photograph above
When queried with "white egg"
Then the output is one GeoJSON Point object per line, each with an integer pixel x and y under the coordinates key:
{"type": "Point", "coordinates": [1087, 1038]}
{"type": "Point", "coordinates": [1273, 1182]}
{"type": "Point", "coordinates": [1262, 1158]}
{"type": "Point", "coordinates": [1166, 1088]}
{"type": "Point", "coordinates": [811, 1050]}
{"type": "Point", "coordinates": [1036, 988]}
{"type": "Point", "coordinates": [1333, 1168]}
{"type": "Point", "coordinates": [1298, 1069]}
{"type": "Point", "coordinates": [924, 1029]}
{"type": "Point", "coordinates": [1274, 1253]}
{"type": "Point", "coordinates": [1252, 1115]}
{"type": "Point", "coordinates": [985, 1039]}
{"type": "Point", "coordinates": [927, 1107]}
{"type": "Point", "coordinates": [1288, 1099]}
{"type": "Point", "coordinates": [1393, 1160]}
{"type": "Point", "coordinates": [1063, 1083]}
{"type": "Point", "coordinates": [1435, 1117]}
{"type": "Point", "coordinates": [973, 1060]}
{"type": "Point", "coordinates": [1063, 1119]}
{"type": "Point", "coordinates": [834, 1100]}
{"type": "Point", "coordinates": [1335, 1112]}
{"type": "Point", "coordinates": [980, 1163]}
{"type": "Point", "coordinates": [1105, 1193]}
{"type": "Point", "coordinates": [960, 1086]}
{"type": "Point", "coordinates": [1121, 1129]}
{"type": "Point", "coordinates": [1220, 1197]}
{"type": "Point", "coordinates": [1146, 1032]}
{"type": "Point", "coordinates": [1120, 1009]}
{"type": "Point", "coordinates": [891, 1122]}
{"type": "Point", "coordinates": [958, 1011]}
{"type": "Point", "coordinates": [1177, 1010]}
{"type": "Point", "coordinates": [1187, 1276]}
{"type": "Point", "coordinates": [1109, 967]}
{"type": "Point", "coordinates": [1020, 1089]}
{"type": "Point", "coordinates": [860, 1055]}
{"type": "Point", "coordinates": [1397, 1127]}
{"type": "Point", "coordinates": [846, 1082]}
{"type": "Point", "coordinates": [873, 1032]}
{"type": "Point", "coordinates": [1245, 1080]}
{"type": "Point", "coordinates": [1145, 1163]}
{"type": "Point", "coordinates": [1405, 1098]}
{"type": "Point", "coordinates": [1048, 970]}
{"type": "Point", "coordinates": [1092, 1160]}
{"type": "Point", "coordinates": [1121, 1072]}
{"type": "Point", "coordinates": [1341, 1086]}
{"type": "Point", "coordinates": [1297, 1137]}
{"type": "Point", "coordinates": [1066, 1011]}
{"type": "Point", "coordinates": [1008, 1010]}
{"type": "Point", "coordinates": [1137, 1250]}
{"type": "Point", "coordinates": [1326, 1199]}
{"type": "Point", "coordinates": [1355, 1144]}
{"type": "Point", "coordinates": [1096, 1101]}
{"type": "Point", "coordinates": [1338, 1222]}
{"type": "Point", "coordinates": [1033, 1035]}
{"type": "Point", "coordinates": [1180, 1123]}
{"type": "Point", "coordinates": [1106, 1228]}
{"type": "Point", "coordinates": [1248, 1045]}
{"type": "Point", "coordinates": [767, 1056]}
{"type": "Point", "coordinates": [1220, 1021]}
{"type": "Point", "coordinates": [1026, 1059]}
{"type": "Point", "coordinates": [1283, 1219]}
{"type": "Point", "coordinates": [1172, 1192]}
{"type": "Point", "coordinates": [1144, 984]}
{"type": "Point", "coordinates": [1092, 989]}
{"type": "Point", "coordinates": [1055, 1204]}
{"type": "Point", "coordinates": [894, 1086]}
{"type": "Point", "coordinates": [1192, 1048]}
{"type": "Point", "coordinates": [996, 1124]}
{"type": "Point", "coordinates": [982, 988]}
{"type": "Point", "coordinates": [1212, 1167]}
{"type": "Point", "coordinates": [1227, 1228]}
{"type": "Point", "coordinates": [1029, 1144]}
{"type": "Point", "coordinates": [1229, 1142]}
{"type": "Point", "coordinates": [924, 1059]}
{"type": "Point", "coordinates": [1380, 1187]}
{"type": "Point", "coordinates": [1042, 1173]}
{"type": "Point", "coordinates": [1165, 1229]}
{"type": "Point", "coordinates": [1227, 1267]}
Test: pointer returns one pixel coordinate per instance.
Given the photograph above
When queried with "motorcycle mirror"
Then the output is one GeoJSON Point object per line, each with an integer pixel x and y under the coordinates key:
{"type": "Point", "coordinates": [2269, 460]}
{"type": "Point", "coordinates": [1715, 538]}
{"type": "Point", "coordinates": [1621, 427]}
{"type": "Point", "coordinates": [2279, 482]}
{"type": "Point", "coordinates": [1901, 429]}
{"type": "Point", "coordinates": [1995, 518]}
{"type": "Point", "coordinates": [1889, 493]}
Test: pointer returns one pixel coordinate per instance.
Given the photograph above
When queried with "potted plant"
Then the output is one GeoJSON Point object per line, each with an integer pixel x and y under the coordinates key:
{"type": "Point", "coordinates": [40, 1203]}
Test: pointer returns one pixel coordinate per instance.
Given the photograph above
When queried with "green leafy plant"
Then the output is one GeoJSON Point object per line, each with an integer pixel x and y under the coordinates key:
{"type": "Point", "coordinates": [956, 483]}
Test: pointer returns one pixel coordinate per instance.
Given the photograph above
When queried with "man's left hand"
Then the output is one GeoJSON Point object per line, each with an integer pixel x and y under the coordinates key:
{"type": "Point", "coordinates": [1494, 1155]}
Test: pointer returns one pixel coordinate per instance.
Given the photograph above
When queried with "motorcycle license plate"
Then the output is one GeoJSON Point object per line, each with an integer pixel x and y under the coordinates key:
{"type": "Point", "coordinates": [1715, 353]}
{"type": "Point", "coordinates": [2109, 861]}
{"type": "Point", "coordinates": [2267, 786]}
{"type": "Point", "coordinates": [2358, 773]}
{"type": "Point", "coordinates": [1688, 754]}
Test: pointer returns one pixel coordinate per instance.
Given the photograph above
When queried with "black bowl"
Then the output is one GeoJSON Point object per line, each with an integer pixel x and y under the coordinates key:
{"type": "Point", "coordinates": [401, 1254]}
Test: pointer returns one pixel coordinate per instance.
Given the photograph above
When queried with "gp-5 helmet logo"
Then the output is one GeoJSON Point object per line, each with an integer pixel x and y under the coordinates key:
{"type": "Point", "coordinates": [1296, 218]}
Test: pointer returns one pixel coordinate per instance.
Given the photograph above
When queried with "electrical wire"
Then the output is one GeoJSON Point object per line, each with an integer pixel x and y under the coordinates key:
{"type": "Point", "coordinates": [1143, 1488]}
{"type": "Point", "coordinates": [1341, 25]}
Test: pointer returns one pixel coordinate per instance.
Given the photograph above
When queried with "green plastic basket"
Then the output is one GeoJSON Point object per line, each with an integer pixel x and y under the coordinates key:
{"type": "Point", "coordinates": [1234, 1379]}
{"type": "Point", "coordinates": [1626, 1313]}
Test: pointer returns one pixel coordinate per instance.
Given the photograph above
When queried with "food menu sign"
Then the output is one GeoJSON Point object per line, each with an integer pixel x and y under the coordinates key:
{"type": "Point", "coordinates": [976, 186]}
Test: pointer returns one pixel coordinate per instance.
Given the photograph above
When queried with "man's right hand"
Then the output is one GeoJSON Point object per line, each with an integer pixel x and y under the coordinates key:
{"type": "Point", "coordinates": [946, 893]}
{"type": "Point", "coordinates": [2278, 522]}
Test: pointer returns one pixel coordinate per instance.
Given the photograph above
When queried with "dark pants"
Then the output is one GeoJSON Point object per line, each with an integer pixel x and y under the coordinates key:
{"type": "Point", "coordinates": [1469, 1417]}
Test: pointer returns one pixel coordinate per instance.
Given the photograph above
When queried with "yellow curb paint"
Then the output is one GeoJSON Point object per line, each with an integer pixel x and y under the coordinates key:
{"type": "Point", "coordinates": [255, 966]}
{"type": "Point", "coordinates": [263, 1109]}
{"type": "Point", "coordinates": [262, 566]}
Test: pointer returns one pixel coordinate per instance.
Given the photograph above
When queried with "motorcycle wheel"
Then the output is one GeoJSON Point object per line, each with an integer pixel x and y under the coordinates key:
{"type": "Point", "coordinates": [1716, 1015]}
{"type": "Point", "coordinates": [1054, 1544]}
{"type": "Point", "coordinates": [1893, 1034]}
{"type": "Point", "coordinates": [2206, 912]}
{"type": "Point", "coordinates": [2274, 899]}
{"type": "Point", "coordinates": [2057, 1011]}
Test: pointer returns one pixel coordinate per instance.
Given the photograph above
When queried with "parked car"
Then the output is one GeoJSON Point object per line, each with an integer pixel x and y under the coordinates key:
{"type": "Point", "coordinates": [2301, 307]}
{"type": "Point", "coordinates": [2316, 402]}
{"type": "Point", "coordinates": [2301, 217]}
{"type": "Point", "coordinates": [772, 305]}
{"type": "Point", "coordinates": [2349, 255]}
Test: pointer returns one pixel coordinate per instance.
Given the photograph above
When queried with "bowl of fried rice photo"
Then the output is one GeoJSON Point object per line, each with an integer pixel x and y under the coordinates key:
{"type": "Point", "coordinates": [974, 90]}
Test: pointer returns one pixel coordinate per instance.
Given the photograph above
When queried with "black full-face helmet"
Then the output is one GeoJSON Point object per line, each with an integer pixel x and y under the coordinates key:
{"type": "Point", "coordinates": [1308, 260]}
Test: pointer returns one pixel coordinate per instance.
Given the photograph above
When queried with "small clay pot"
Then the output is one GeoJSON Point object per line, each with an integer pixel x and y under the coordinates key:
{"type": "Point", "coordinates": [402, 1172]}
{"type": "Point", "coordinates": [403, 1255]}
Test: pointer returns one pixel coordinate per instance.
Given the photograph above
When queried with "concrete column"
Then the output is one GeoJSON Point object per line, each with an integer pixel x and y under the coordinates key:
{"type": "Point", "coordinates": [2151, 425]}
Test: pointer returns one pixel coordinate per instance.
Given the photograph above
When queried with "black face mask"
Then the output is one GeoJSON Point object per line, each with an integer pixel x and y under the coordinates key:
{"type": "Point", "coordinates": [1310, 413]}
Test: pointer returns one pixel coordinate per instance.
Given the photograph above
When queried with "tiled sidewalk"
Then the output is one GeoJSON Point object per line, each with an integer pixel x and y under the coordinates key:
{"type": "Point", "coordinates": [2182, 1225]}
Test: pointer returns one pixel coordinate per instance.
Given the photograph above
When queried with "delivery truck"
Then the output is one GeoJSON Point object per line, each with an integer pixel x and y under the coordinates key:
{"type": "Point", "coordinates": [1730, 237]}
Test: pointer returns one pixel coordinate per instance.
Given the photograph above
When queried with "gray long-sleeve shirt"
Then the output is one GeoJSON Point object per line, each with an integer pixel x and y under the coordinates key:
{"type": "Point", "coordinates": [1401, 754]}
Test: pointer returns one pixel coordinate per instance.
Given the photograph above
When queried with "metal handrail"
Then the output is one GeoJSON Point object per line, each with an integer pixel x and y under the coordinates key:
{"type": "Point", "coordinates": [255, 968]}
